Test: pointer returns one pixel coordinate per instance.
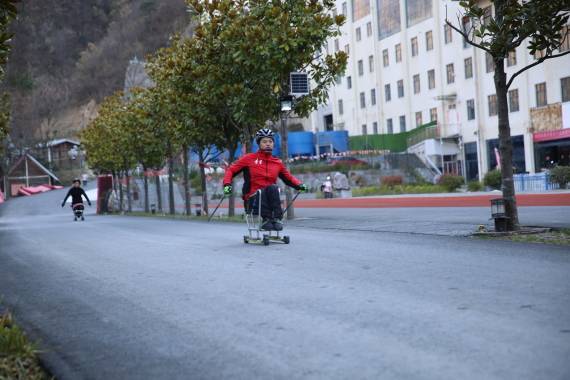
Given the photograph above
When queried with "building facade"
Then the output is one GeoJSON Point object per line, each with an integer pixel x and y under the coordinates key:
{"type": "Point", "coordinates": [407, 68]}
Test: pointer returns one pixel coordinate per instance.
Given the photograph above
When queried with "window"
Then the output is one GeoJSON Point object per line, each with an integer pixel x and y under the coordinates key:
{"type": "Point", "coordinates": [466, 25]}
{"type": "Point", "coordinates": [358, 34]}
{"type": "Point", "coordinates": [373, 96]}
{"type": "Point", "coordinates": [429, 40]}
{"type": "Point", "coordinates": [344, 9]}
{"type": "Point", "coordinates": [418, 118]}
{"type": "Point", "coordinates": [431, 79]}
{"type": "Point", "coordinates": [489, 62]}
{"type": "Point", "coordinates": [375, 128]}
{"type": "Point", "coordinates": [471, 109]}
{"type": "Point", "coordinates": [338, 79]}
{"type": "Point", "coordinates": [492, 100]}
{"type": "Point", "coordinates": [414, 43]}
{"type": "Point", "coordinates": [539, 54]}
{"type": "Point", "coordinates": [336, 45]}
{"type": "Point", "coordinates": [402, 123]}
{"type": "Point", "coordinates": [565, 46]}
{"type": "Point", "coordinates": [349, 82]}
{"type": "Point", "coordinates": [389, 21]}
{"type": "Point", "coordinates": [340, 107]}
{"type": "Point", "coordinates": [565, 84]}
{"type": "Point", "coordinates": [368, 29]}
{"type": "Point", "coordinates": [334, 12]}
{"type": "Point", "coordinates": [433, 114]}
{"type": "Point", "coordinates": [362, 100]}
{"type": "Point", "coordinates": [468, 66]}
{"type": "Point", "coordinates": [360, 67]}
{"type": "Point", "coordinates": [512, 58]}
{"type": "Point", "coordinates": [540, 94]}
{"type": "Point", "coordinates": [364, 130]}
{"type": "Point", "coordinates": [398, 49]}
{"type": "Point", "coordinates": [447, 33]}
{"type": "Point", "coordinates": [347, 49]}
{"type": "Point", "coordinates": [385, 60]}
{"type": "Point", "coordinates": [401, 88]}
{"type": "Point", "coordinates": [371, 63]}
{"type": "Point", "coordinates": [450, 73]}
{"type": "Point", "coordinates": [389, 126]}
{"type": "Point", "coordinates": [387, 92]}
{"type": "Point", "coordinates": [417, 84]}
{"type": "Point", "coordinates": [514, 100]}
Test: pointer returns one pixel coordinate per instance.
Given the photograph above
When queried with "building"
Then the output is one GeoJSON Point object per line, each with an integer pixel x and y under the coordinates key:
{"type": "Point", "coordinates": [407, 68]}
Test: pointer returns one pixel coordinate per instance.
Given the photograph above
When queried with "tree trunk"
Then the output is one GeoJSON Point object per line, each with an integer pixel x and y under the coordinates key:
{"type": "Point", "coordinates": [284, 157]}
{"type": "Point", "coordinates": [145, 178]}
{"type": "Point", "coordinates": [204, 188]}
{"type": "Point", "coordinates": [505, 147]}
{"type": "Point", "coordinates": [121, 195]}
{"type": "Point", "coordinates": [172, 210]}
{"type": "Point", "coordinates": [129, 197]}
{"type": "Point", "coordinates": [185, 180]}
{"type": "Point", "coordinates": [232, 201]}
{"type": "Point", "coordinates": [158, 192]}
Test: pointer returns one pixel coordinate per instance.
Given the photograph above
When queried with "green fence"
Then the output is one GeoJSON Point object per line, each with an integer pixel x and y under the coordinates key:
{"type": "Point", "coordinates": [396, 142]}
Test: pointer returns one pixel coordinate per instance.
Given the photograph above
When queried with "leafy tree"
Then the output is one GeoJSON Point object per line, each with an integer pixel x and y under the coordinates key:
{"type": "Point", "coordinates": [538, 22]}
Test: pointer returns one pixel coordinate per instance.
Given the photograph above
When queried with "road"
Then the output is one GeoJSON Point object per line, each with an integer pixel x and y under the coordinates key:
{"type": "Point", "coordinates": [119, 297]}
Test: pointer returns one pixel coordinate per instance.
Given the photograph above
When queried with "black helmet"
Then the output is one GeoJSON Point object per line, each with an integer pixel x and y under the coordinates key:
{"type": "Point", "coordinates": [76, 180]}
{"type": "Point", "coordinates": [264, 132]}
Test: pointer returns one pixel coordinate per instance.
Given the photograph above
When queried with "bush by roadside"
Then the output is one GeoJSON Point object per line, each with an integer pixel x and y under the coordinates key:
{"type": "Point", "coordinates": [493, 179]}
{"type": "Point", "coordinates": [18, 357]}
{"type": "Point", "coordinates": [450, 182]}
{"type": "Point", "coordinates": [560, 175]}
{"type": "Point", "coordinates": [474, 186]}
{"type": "Point", "coordinates": [397, 189]}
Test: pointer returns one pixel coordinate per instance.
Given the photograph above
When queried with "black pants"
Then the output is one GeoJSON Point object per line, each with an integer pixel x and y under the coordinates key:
{"type": "Point", "coordinates": [270, 203]}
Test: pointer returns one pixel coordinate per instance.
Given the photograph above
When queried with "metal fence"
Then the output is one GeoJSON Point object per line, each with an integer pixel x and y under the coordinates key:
{"type": "Point", "coordinates": [534, 183]}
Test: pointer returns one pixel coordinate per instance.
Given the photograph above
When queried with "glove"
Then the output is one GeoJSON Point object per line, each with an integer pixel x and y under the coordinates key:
{"type": "Point", "coordinates": [89, 203]}
{"type": "Point", "coordinates": [227, 189]}
{"type": "Point", "coordinates": [303, 188]}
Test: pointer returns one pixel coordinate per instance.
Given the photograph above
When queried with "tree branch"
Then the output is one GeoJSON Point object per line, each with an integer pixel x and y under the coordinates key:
{"type": "Point", "coordinates": [467, 37]}
{"type": "Point", "coordinates": [538, 62]}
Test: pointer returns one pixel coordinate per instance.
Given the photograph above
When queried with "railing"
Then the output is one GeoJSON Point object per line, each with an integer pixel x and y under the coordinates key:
{"type": "Point", "coordinates": [416, 137]}
{"type": "Point", "coordinates": [533, 182]}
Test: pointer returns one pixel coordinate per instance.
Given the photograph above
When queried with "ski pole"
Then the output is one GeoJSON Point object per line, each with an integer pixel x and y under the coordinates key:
{"type": "Point", "coordinates": [292, 200]}
{"type": "Point", "coordinates": [216, 209]}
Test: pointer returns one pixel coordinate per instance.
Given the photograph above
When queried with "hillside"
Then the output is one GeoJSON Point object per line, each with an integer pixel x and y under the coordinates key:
{"type": "Point", "coordinates": [68, 55]}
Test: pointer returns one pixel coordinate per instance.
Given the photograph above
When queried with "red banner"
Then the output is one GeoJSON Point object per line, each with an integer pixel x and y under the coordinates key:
{"type": "Point", "coordinates": [551, 135]}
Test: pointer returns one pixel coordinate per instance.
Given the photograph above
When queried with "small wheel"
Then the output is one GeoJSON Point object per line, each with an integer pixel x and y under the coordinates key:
{"type": "Point", "coordinates": [265, 240]}
{"type": "Point", "coordinates": [245, 239]}
{"type": "Point", "coordinates": [286, 239]}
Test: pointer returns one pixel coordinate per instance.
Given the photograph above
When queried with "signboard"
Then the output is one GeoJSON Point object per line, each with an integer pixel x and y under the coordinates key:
{"type": "Point", "coordinates": [551, 135]}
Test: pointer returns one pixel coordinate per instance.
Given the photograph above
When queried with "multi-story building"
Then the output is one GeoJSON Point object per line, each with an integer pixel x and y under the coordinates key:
{"type": "Point", "coordinates": [407, 68]}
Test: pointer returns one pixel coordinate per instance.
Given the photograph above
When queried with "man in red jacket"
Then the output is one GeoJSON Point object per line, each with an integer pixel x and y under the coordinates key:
{"type": "Point", "coordinates": [260, 172]}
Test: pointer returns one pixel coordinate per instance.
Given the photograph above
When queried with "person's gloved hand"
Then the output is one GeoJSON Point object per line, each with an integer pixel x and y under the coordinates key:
{"type": "Point", "coordinates": [228, 189]}
{"type": "Point", "coordinates": [89, 203]}
{"type": "Point", "coordinates": [303, 188]}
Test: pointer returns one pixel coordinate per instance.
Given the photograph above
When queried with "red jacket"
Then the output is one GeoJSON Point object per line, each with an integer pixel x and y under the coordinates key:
{"type": "Point", "coordinates": [259, 171]}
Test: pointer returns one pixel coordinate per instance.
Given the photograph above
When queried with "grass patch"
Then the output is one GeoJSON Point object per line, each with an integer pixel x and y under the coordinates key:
{"type": "Point", "coordinates": [225, 218]}
{"type": "Point", "coordinates": [557, 237]}
{"type": "Point", "coordinates": [18, 357]}
{"type": "Point", "coordinates": [396, 190]}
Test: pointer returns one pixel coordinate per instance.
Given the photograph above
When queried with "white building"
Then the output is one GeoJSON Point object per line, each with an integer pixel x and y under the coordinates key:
{"type": "Point", "coordinates": [406, 68]}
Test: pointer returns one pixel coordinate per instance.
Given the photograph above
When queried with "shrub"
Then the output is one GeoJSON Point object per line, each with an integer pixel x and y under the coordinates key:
{"type": "Point", "coordinates": [560, 175]}
{"type": "Point", "coordinates": [391, 180]}
{"type": "Point", "coordinates": [450, 182]}
{"type": "Point", "coordinates": [474, 186]}
{"type": "Point", "coordinates": [493, 179]}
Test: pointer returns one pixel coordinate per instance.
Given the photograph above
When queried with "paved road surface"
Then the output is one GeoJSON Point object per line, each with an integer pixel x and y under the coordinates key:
{"type": "Point", "coordinates": [135, 298]}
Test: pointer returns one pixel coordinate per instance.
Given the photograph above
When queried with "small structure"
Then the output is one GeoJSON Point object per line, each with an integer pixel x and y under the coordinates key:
{"type": "Point", "coordinates": [26, 172]}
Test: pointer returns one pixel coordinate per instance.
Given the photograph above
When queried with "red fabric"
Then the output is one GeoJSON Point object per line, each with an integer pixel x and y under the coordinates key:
{"type": "Point", "coordinates": [263, 169]}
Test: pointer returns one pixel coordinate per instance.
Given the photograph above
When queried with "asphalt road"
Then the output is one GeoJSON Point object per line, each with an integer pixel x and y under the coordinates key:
{"type": "Point", "coordinates": [119, 297]}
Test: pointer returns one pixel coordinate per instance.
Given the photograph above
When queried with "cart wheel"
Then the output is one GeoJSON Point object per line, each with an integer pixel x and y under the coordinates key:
{"type": "Point", "coordinates": [265, 240]}
{"type": "Point", "coordinates": [245, 239]}
{"type": "Point", "coordinates": [286, 239]}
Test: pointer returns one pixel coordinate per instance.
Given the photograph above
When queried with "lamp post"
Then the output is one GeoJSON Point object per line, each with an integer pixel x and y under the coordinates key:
{"type": "Point", "coordinates": [498, 214]}
{"type": "Point", "coordinates": [286, 103]}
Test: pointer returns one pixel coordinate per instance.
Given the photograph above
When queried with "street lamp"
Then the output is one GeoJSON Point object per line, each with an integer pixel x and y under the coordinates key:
{"type": "Point", "coordinates": [498, 214]}
{"type": "Point", "coordinates": [286, 103]}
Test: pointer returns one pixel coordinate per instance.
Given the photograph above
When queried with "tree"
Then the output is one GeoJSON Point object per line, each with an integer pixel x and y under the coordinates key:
{"type": "Point", "coordinates": [538, 22]}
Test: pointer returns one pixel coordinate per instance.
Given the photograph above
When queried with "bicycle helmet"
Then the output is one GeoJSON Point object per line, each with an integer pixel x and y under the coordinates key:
{"type": "Point", "coordinates": [76, 180]}
{"type": "Point", "coordinates": [264, 132]}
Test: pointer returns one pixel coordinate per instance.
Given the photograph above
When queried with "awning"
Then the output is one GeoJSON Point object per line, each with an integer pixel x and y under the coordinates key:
{"type": "Point", "coordinates": [551, 135]}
